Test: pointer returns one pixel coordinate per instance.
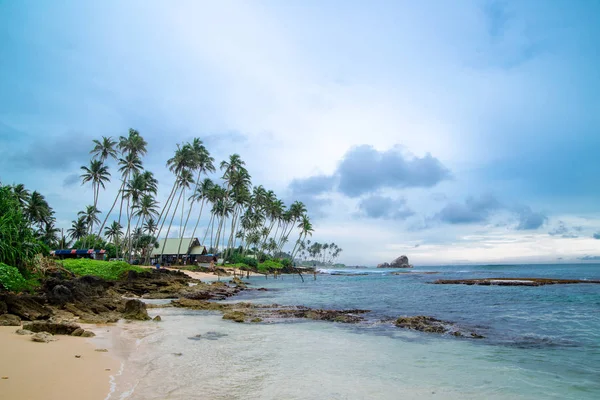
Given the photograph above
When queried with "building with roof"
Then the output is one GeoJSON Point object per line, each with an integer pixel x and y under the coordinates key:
{"type": "Point", "coordinates": [95, 254]}
{"type": "Point", "coordinates": [190, 252]}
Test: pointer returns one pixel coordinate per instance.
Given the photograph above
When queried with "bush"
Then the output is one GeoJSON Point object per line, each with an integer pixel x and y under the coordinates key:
{"type": "Point", "coordinates": [286, 262]}
{"type": "Point", "coordinates": [269, 266]}
{"type": "Point", "coordinates": [108, 270]}
{"type": "Point", "coordinates": [11, 279]}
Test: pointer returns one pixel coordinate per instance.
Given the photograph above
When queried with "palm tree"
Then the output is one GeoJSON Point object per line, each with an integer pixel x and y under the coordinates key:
{"type": "Point", "coordinates": [306, 228]}
{"type": "Point", "coordinates": [203, 164]}
{"type": "Point", "coordinates": [113, 232]}
{"type": "Point", "coordinates": [131, 148]}
{"type": "Point", "coordinates": [201, 195]}
{"type": "Point", "coordinates": [49, 234]}
{"type": "Point", "coordinates": [37, 210]}
{"type": "Point", "coordinates": [21, 194]}
{"type": "Point", "coordinates": [184, 181]}
{"type": "Point", "coordinates": [90, 216]}
{"type": "Point", "coordinates": [98, 174]}
{"type": "Point", "coordinates": [183, 160]}
{"type": "Point", "coordinates": [78, 229]}
{"type": "Point", "coordinates": [104, 149]}
{"type": "Point", "coordinates": [229, 168]}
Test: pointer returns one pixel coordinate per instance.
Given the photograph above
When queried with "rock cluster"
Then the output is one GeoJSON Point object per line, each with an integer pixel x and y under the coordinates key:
{"type": "Point", "coordinates": [400, 262]}
{"type": "Point", "coordinates": [427, 324]}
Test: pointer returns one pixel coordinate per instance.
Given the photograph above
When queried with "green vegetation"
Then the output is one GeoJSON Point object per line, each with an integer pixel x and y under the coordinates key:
{"type": "Point", "coordinates": [20, 215]}
{"type": "Point", "coordinates": [269, 266]}
{"type": "Point", "coordinates": [109, 270]}
{"type": "Point", "coordinates": [11, 279]}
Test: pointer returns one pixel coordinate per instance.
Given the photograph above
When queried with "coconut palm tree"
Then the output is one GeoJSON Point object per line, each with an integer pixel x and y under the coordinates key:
{"type": "Point", "coordinates": [184, 181]}
{"type": "Point", "coordinates": [37, 209]}
{"type": "Point", "coordinates": [104, 149]}
{"type": "Point", "coordinates": [49, 234]}
{"type": "Point", "coordinates": [90, 216]}
{"type": "Point", "coordinates": [203, 164]}
{"type": "Point", "coordinates": [22, 194]}
{"type": "Point", "coordinates": [182, 160]}
{"type": "Point", "coordinates": [131, 148]}
{"type": "Point", "coordinates": [200, 196]}
{"type": "Point", "coordinates": [78, 229]}
{"type": "Point", "coordinates": [98, 174]}
{"type": "Point", "coordinates": [306, 228]}
{"type": "Point", "coordinates": [113, 232]}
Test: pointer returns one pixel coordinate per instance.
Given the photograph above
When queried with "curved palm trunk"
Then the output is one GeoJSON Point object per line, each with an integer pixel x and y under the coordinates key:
{"type": "Point", "coordinates": [197, 222]}
{"type": "Point", "coordinates": [167, 207]}
{"type": "Point", "coordinates": [170, 223]}
{"type": "Point", "coordinates": [111, 209]}
{"type": "Point", "coordinates": [208, 227]}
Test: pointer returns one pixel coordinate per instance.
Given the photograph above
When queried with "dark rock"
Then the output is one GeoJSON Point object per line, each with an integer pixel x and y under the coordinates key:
{"type": "Point", "coordinates": [61, 294]}
{"type": "Point", "coordinates": [422, 323]}
{"type": "Point", "coordinates": [135, 310]}
{"type": "Point", "coordinates": [157, 318]}
{"type": "Point", "coordinates": [23, 332]}
{"type": "Point", "coordinates": [512, 281]}
{"type": "Point", "coordinates": [42, 337]}
{"type": "Point", "coordinates": [256, 319]}
{"type": "Point", "coordinates": [52, 327]}
{"type": "Point", "coordinates": [101, 350]}
{"type": "Point", "coordinates": [3, 308]}
{"type": "Point", "coordinates": [400, 262]}
{"type": "Point", "coordinates": [9, 320]}
{"type": "Point", "coordinates": [88, 334]}
{"type": "Point", "coordinates": [77, 332]}
{"type": "Point", "coordinates": [26, 307]}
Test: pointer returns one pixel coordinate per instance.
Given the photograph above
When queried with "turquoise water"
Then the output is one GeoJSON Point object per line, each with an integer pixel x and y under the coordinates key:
{"type": "Point", "coordinates": [541, 342]}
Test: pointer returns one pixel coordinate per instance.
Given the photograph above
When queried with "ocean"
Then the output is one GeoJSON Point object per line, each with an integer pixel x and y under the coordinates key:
{"type": "Point", "coordinates": [540, 342]}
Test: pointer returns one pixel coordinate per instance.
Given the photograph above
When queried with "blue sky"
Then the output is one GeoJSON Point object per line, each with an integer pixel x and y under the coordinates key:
{"type": "Point", "coordinates": [448, 131]}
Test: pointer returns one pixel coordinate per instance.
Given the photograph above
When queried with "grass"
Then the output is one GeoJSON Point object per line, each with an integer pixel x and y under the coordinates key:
{"type": "Point", "coordinates": [108, 270]}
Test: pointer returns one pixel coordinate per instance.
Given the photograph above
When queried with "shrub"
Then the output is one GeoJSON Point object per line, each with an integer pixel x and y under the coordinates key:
{"type": "Point", "coordinates": [11, 279]}
{"type": "Point", "coordinates": [286, 262]}
{"type": "Point", "coordinates": [109, 270]}
{"type": "Point", "coordinates": [269, 266]}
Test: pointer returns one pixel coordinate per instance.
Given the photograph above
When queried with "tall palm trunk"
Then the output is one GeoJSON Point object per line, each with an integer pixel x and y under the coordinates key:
{"type": "Point", "coordinates": [197, 222]}
{"type": "Point", "coordinates": [167, 207]}
{"type": "Point", "coordinates": [111, 209]}
{"type": "Point", "coordinates": [171, 223]}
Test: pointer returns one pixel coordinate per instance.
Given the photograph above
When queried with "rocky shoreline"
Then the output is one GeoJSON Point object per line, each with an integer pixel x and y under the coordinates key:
{"type": "Point", "coordinates": [64, 301]}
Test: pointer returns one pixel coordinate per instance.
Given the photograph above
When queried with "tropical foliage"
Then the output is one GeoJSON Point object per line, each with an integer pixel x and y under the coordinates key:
{"type": "Point", "coordinates": [109, 270]}
{"type": "Point", "coordinates": [26, 226]}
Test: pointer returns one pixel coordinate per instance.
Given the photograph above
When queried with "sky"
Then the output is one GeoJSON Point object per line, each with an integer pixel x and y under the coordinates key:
{"type": "Point", "coordinates": [452, 132]}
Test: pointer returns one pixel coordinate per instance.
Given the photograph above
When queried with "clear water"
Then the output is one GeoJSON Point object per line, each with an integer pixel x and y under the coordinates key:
{"type": "Point", "coordinates": [541, 342]}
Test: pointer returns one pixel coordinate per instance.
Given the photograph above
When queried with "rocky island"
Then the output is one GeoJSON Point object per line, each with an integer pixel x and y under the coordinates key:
{"type": "Point", "coordinates": [400, 262]}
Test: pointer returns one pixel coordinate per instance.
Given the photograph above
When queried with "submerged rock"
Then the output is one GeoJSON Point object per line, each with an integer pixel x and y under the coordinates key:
{"type": "Point", "coordinates": [9, 320]}
{"type": "Point", "coordinates": [157, 318]}
{"type": "Point", "coordinates": [422, 323]}
{"type": "Point", "coordinates": [427, 324]}
{"type": "Point", "coordinates": [88, 334]}
{"type": "Point", "coordinates": [512, 281]}
{"type": "Point", "coordinates": [236, 316]}
{"type": "Point", "coordinates": [135, 310]}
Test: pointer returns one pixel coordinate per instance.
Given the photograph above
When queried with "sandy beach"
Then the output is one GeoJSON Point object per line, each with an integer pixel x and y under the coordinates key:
{"type": "Point", "coordinates": [47, 371]}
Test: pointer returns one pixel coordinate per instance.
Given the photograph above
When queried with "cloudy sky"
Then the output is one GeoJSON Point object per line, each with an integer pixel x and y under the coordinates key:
{"type": "Point", "coordinates": [452, 132]}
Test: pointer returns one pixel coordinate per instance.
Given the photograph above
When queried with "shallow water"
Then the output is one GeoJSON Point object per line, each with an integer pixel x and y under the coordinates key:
{"type": "Point", "coordinates": [542, 342]}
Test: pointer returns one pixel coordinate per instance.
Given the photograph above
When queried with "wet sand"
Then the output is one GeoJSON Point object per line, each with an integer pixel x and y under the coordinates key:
{"type": "Point", "coordinates": [48, 371]}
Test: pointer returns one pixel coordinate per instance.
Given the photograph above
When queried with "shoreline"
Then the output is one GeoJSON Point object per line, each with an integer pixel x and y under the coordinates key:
{"type": "Point", "coordinates": [51, 371]}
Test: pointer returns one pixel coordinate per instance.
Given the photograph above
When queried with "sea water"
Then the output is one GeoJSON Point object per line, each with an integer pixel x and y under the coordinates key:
{"type": "Point", "coordinates": [541, 342]}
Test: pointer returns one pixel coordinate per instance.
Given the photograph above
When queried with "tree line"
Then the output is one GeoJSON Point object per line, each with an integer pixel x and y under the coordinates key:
{"type": "Point", "coordinates": [240, 215]}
